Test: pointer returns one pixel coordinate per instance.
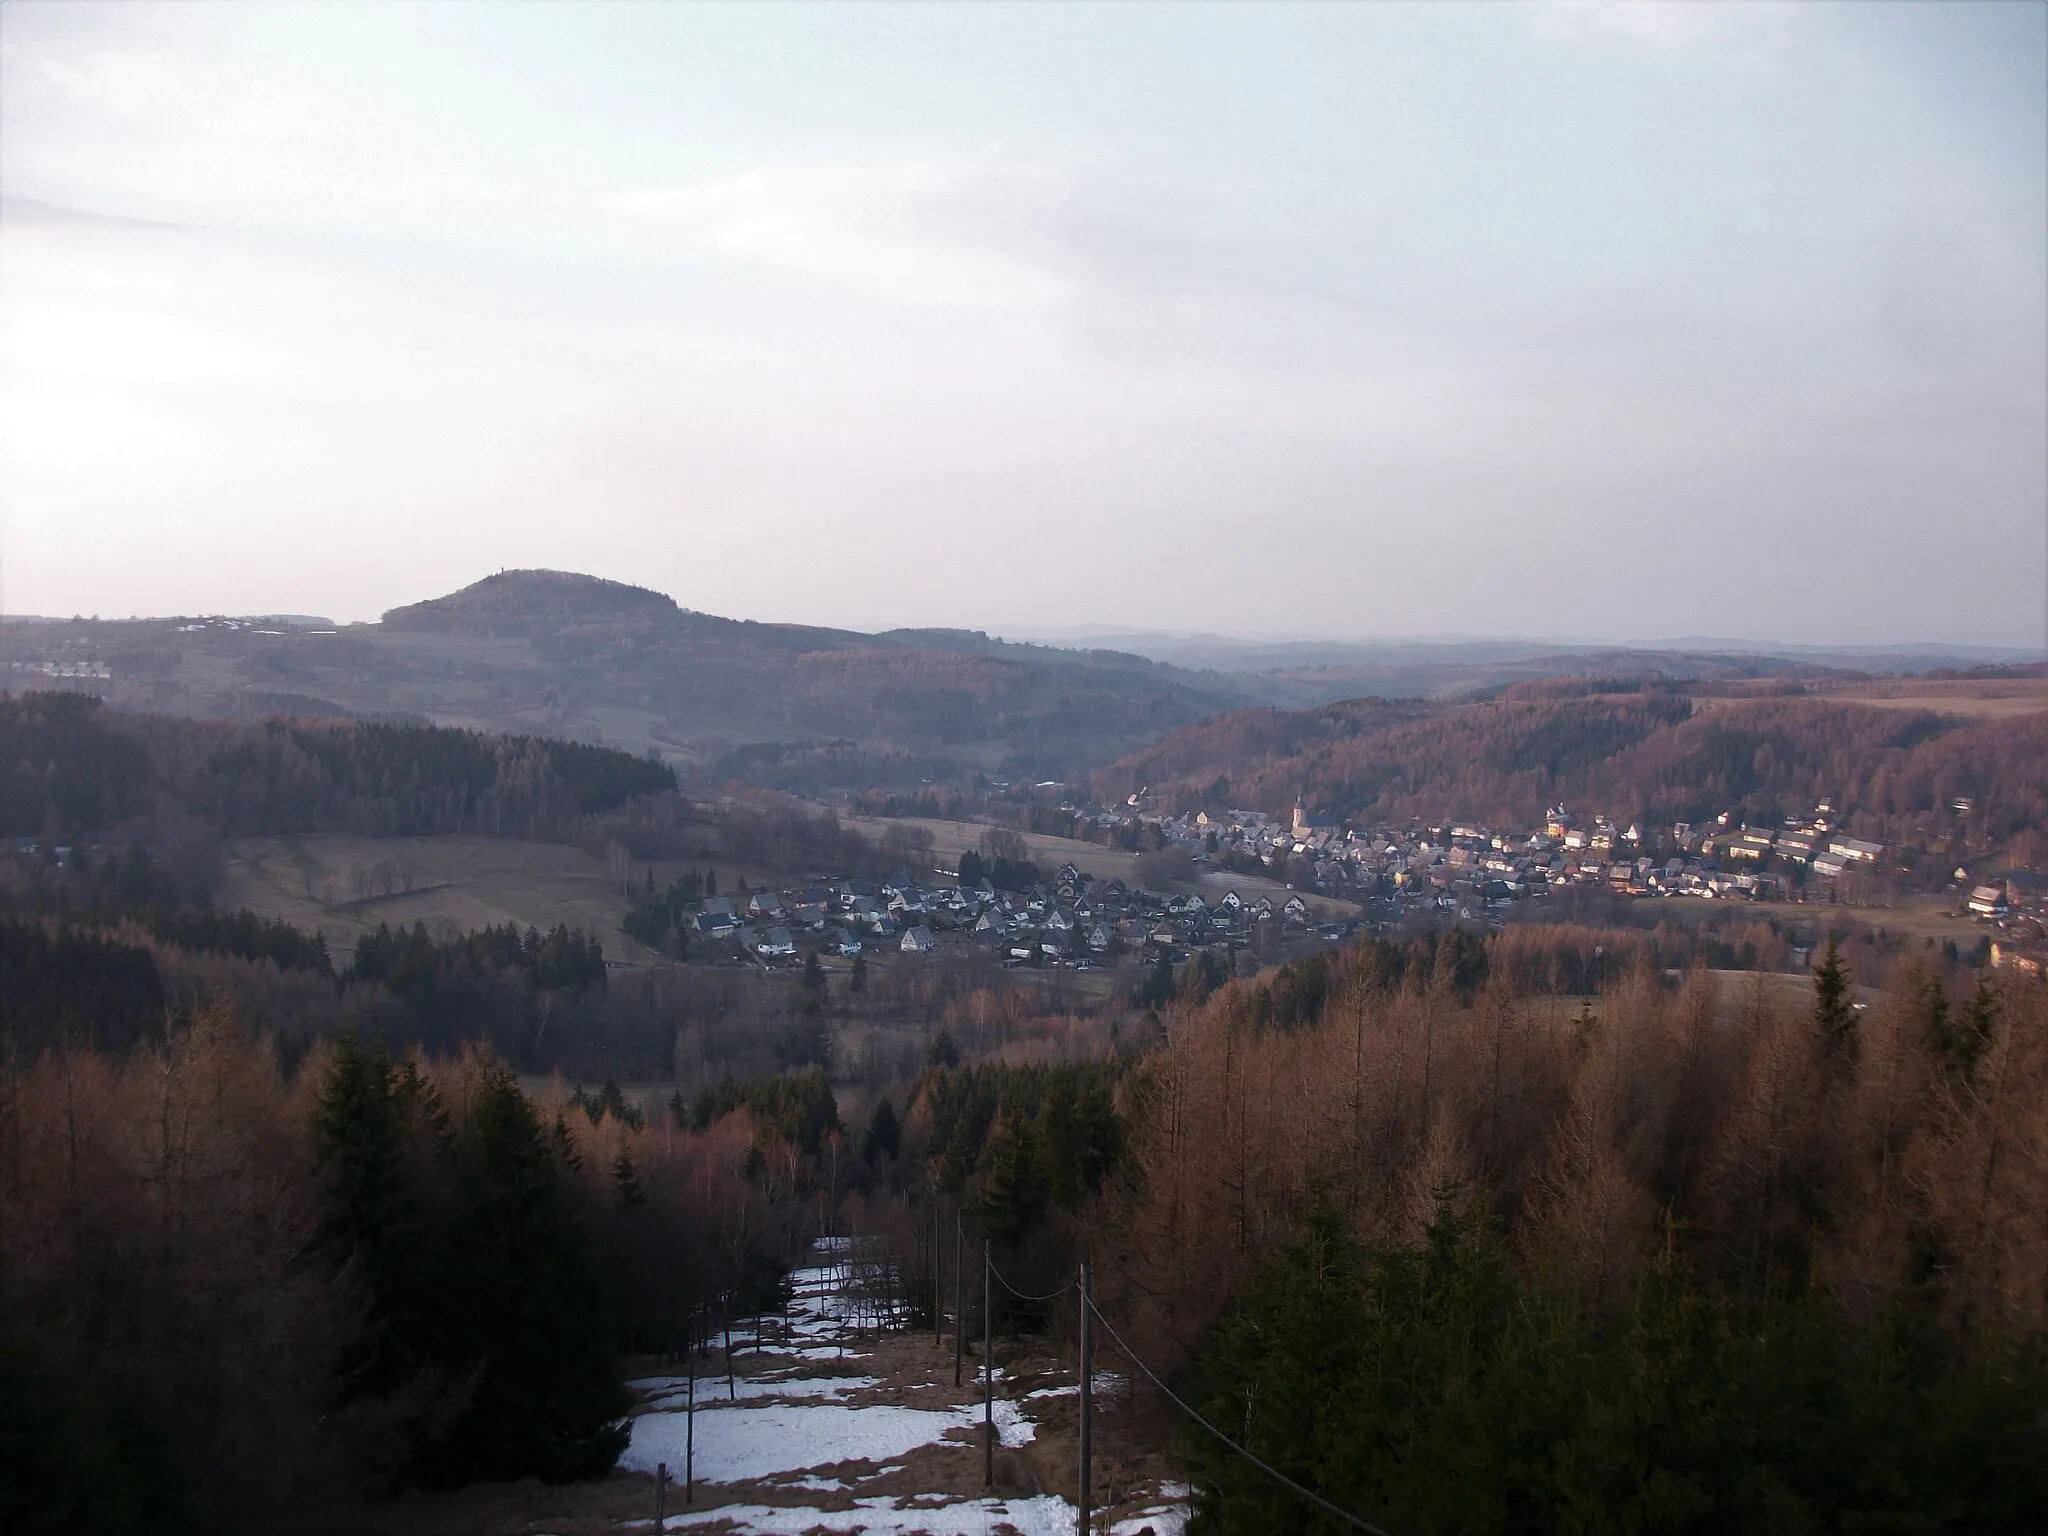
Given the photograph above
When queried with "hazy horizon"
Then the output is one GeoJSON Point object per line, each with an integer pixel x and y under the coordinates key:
{"type": "Point", "coordinates": [1562, 321]}
{"type": "Point", "coordinates": [1087, 634]}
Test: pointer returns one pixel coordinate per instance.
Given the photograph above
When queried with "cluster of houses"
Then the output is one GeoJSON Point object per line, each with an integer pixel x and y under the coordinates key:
{"type": "Point", "coordinates": [2015, 908]}
{"type": "Point", "coordinates": [1470, 866]}
{"type": "Point", "coordinates": [69, 669]}
{"type": "Point", "coordinates": [1073, 918]}
{"type": "Point", "coordinates": [1468, 870]}
{"type": "Point", "coordinates": [1814, 844]}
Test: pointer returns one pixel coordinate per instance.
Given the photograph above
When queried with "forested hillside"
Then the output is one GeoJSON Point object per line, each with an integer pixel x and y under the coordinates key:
{"type": "Point", "coordinates": [1460, 1259]}
{"type": "Point", "coordinates": [1450, 1249]}
{"type": "Point", "coordinates": [71, 767]}
{"type": "Point", "coordinates": [553, 654]}
{"type": "Point", "coordinates": [1659, 755]}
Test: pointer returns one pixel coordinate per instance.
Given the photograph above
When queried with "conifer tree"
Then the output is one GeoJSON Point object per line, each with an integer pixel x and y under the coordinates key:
{"type": "Point", "coordinates": [1013, 1189]}
{"type": "Point", "coordinates": [533, 1321]}
{"type": "Point", "coordinates": [626, 1179]}
{"type": "Point", "coordinates": [885, 1135]}
{"type": "Point", "coordinates": [1963, 1039]}
{"type": "Point", "coordinates": [1834, 1020]}
{"type": "Point", "coordinates": [378, 1219]}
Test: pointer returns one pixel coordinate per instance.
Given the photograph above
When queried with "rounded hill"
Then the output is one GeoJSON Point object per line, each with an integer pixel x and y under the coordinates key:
{"type": "Point", "coordinates": [523, 602]}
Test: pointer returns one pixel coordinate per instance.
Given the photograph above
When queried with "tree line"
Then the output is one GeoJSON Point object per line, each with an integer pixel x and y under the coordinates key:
{"type": "Point", "coordinates": [1697, 1253]}
{"type": "Point", "coordinates": [232, 1295]}
{"type": "Point", "coordinates": [1642, 754]}
{"type": "Point", "coordinates": [71, 766]}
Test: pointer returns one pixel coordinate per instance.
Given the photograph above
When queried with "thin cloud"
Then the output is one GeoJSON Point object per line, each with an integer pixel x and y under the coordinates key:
{"type": "Point", "coordinates": [1664, 25]}
{"type": "Point", "coordinates": [924, 234]}
{"type": "Point", "coordinates": [127, 84]}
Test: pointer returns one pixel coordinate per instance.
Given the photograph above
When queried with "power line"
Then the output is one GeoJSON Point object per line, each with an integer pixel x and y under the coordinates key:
{"type": "Point", "coordinates": [1271, 1471]}
{"type": "Point", "coordinates": [1025, 1296]}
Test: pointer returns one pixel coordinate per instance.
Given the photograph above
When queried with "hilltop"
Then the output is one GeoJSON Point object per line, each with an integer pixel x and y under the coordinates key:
{"type": "Point", "coordinates": [529, 602]}
{"type": "Point", "coordinates": [1631, 749]}
{"type": "Point", "coordinates": [811, 707]}
{"type": "Point", "coordinates": [568, 655]}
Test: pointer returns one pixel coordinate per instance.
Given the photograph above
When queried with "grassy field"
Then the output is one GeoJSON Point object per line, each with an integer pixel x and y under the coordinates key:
{"type": "Point", "coordinates": [1990, 698]}
{"type": "Point", "coordinates": [345, 886]}
{"type": "Point", "coordinates": [950, 839]}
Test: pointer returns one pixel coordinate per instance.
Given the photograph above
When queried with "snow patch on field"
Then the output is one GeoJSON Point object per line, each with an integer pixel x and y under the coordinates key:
{"type": "Point", "coordinates": [1165, 1520]}
{"type": "Point", "coordinates": [712, 1390]}
{"type": "Point", "coordinates": [1046, 1515]}
{"type": "Point", "coordinates": [1108, 1385]}
{"type": "Point", "coordinates": [737, 1444]}
{"type": "Point", "coordinates": [741, 1444]}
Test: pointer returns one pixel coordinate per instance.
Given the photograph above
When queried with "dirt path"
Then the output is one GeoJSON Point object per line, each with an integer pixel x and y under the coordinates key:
{"type": "Point", "coordinates": [843, 1421]}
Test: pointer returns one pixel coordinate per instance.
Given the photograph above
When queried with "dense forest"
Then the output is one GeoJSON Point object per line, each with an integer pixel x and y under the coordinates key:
{"type": "Point", "coordinates": [1655, 755]}
{"type": "Point", "coordinates": [1565, 1227]}
{"type": "Point", "coordinates": [1462, 1258]}
{"type": "Point", "coordinates": [551, 653]}
{"type": "Point", "coordinates": [69, 766]}
{"type": "Point", "coordinates": [1527, 1231]}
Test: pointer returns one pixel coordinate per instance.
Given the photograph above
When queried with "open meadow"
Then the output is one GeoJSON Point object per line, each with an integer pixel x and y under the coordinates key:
{"type": "Point", "coordinates": [342, 886]}
{"type": "Point", "coordinates": [950, 839]}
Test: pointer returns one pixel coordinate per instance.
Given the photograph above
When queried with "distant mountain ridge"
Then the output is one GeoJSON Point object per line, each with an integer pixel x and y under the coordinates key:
{"type": "Point", "coordinates": [1655, 752]}
{"type": "Point", "coordinates": [515, 602]}
{"type": "Point", "coordinates": [568, 655]}
{"type": "Point", "coordinates": [563, 654]}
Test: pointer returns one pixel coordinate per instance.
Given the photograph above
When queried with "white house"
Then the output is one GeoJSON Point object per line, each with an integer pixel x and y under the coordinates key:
{"type": "Point", "coordinates": [1989, 901]}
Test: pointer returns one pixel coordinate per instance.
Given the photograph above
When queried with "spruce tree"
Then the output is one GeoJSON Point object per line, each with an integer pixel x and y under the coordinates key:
{"type": "Point", "coordinates": [885, 1135]}
{"type": "Point", "coordinates": [379, 1221]}
{"type": "Point", "coordinates": [1834, 1020]}
{"type": "Point", "coordinates": [1013, 1190]}
{"type": "Point", "coordinates": [626, 1179]}
{"type": "Point", "coordinates": [1968, 1036]}
{"type": "Point", "coordinates": [533, 1320]}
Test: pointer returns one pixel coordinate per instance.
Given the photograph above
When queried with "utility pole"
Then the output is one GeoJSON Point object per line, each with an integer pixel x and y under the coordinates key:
{"type": "Point", "coordinates": [1087, 1396]}
{"type": "Point", "coordinates": [988, 1369]}
{"type": "Point", "coordinates": [731, 1391]}
{"type": "Point", "coordinates": [959, 1310]}
{"type": "Point", "coordinates": [938, 1277]}
{"type": "Point", "coordinates": [690, 1437]}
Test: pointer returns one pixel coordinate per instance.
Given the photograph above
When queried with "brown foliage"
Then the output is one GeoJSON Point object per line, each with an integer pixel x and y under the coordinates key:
{"type": "Point", "coordinates": [1631, 754]}
{"type": "Point", "coordinates": [156, 1213]}
{"type": "Point", "coordinates": [1590, 1133]}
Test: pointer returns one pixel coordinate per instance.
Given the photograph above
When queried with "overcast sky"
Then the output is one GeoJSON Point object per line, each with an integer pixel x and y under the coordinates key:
{"type": "Point", "coordinates": [1608, 320]}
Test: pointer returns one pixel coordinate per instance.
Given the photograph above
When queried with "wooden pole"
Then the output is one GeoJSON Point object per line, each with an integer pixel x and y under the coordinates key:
{"type": "Point", "coordinates": [938, 1280]}
{"type": "Point", "coordinates": [731, 1391]}
{"type": "Point", "coordinates": [1087, 1403]}
{"type": "Point", "coordinates": [988, 1369]}
{"type": "Point", "coordinates": [959, 1310]}
{"type": "Point", "coordinates": [690, 1440]}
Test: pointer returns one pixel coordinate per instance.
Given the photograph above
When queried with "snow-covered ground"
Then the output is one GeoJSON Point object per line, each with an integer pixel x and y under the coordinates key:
{"type": "Point", "coordinates": [796, 1428]}
{"type": "Point", "coordinates": [711, 1391]}
{"type": "Point", "coordinates": [745, 1444]}
{"type": "Point", "coordinates": [1046, 1515]}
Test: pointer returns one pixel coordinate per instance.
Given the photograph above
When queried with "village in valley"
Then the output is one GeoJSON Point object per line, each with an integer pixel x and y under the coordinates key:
{"type": "Point", "coordinates": [1278, 886]}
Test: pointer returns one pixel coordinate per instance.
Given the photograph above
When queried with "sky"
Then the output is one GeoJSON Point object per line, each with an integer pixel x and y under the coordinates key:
{"type": "Point", "coordinates": [1612, 320]}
